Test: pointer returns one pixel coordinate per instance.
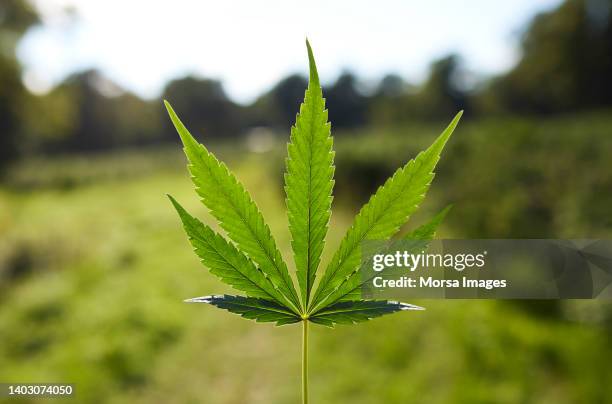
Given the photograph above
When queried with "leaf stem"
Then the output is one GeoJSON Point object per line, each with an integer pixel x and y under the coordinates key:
{"type": "Point", "coordinates": [305, 361]}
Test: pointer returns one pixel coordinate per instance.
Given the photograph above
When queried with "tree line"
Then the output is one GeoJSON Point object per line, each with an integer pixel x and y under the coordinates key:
{"type": "Point", "coordinates": [565, 66]}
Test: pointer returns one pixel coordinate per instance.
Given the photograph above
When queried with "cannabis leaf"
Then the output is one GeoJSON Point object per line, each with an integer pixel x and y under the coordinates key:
{"type": "Point", "coordinates": [225, 261]}
{"type": "Point", "coordinates": [260, 310]}
{"type": "Point", "coordinates": [352, 312]}
{"type": "Point", "coordinates": [388, 209]}
{"type": "Point", "coordinates": [309, 182]}
{"type": "Point", "coordinates": [250, 260]}
{"type": "Point", "coordinates": [236, 212]}
{"type": "Point", "coordinates": [254, 264]}
{"type": "Point", "coordinates": [351, 289]}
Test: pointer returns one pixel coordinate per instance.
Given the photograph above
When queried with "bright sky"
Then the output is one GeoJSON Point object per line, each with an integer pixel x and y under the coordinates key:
{"type": "Point", "coordinates": [250, 45]}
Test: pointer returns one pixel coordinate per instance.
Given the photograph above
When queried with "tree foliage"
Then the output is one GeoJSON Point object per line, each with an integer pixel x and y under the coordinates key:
{"type": "Point", "coordinates": [16, 16]}
{"type": "Point", "coordinates": [566, 61]}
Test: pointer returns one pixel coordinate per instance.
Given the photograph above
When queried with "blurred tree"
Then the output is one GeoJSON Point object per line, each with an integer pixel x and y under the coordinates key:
{"type": "Point", "coordinates": [203, 104]}
{"type": "Point", "coordinates": [347, 105]}
{"type": "Point", "coordinates": [87, 113]}
{"type": "Point", "coordinates": [566, 63]}
{"type": "Point", "coordinates": [390, 86]}
{"type": "Point", "coordinates": [278, 107]}
{"type": "Point", "coordinates": [389, 104]}
{"type": "Point", "coordinates": [16, 16]}
{"type": "Point", "coordinates": [442, 96]}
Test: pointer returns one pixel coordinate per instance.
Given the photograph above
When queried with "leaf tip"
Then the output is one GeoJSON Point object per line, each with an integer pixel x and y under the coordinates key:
{"type": "Point", "coordinates": [202, 299]}
{"type": "Point", "coordinates": [174, 202]}
{"type": "Point", "coordinates": [457, 118]}
{"type": "Point", "coordinates": [170, 110]}
{"type": "Point", "coordinates": [442, 214]}
{"type": "Point", "coordinates": [185, 217]}
{"type": "Point", "coordinates": [406, 306]}
{"type": "Point", "coordinates": [186, 137]}
{"type": "Point", "coordinates": [314, 75]}
{"type": "Point", "coordinates": [210, 299]}
{"type": "Point", "coordinates": [443, 138]}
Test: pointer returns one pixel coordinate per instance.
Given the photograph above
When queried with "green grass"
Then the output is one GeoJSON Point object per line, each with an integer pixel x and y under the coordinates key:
{"type": "Point", "coordinates": [91, 287]}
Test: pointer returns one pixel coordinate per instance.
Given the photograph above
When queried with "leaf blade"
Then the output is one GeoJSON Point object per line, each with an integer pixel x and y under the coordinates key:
{"type": "Point", "coordinates": [260, 310]}
{"type": "Point", "coordinates": [382, 216]}
{"type": "Point", "coordinates": [229, 202]}
{"type": "Point", "coordinates": [224, 260]}
{"type": "Point", "coordinates": [352, 312]}
{"type": "Point", "coordinates": [309, 182]}
{"type": "Point", "coordinates": [427, 230]}
{"type": "Point", "coordinates": [352, 287]}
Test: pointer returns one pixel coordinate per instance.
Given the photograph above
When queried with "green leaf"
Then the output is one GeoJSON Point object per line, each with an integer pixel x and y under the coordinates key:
{"type": "Point", "coordinates": [427, 231]}
{"type": "Point", "coordinates": [383, 215]}
{"type": "Point", "coordinates": [236, 212]}
{"type": "Point", "coordinates": [260, 310]}
{"type": "Point", "coordinates": [351, 288]}
{"type": "Point", "coordinates": [309, 182]}
{"type": "Point", "coordinates": [225, 261]}
{"type": "Point", "coordinates": [352, 312]}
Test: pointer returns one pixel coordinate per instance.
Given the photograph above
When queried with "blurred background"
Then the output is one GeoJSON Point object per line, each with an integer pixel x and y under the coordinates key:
{"type": "Point", "coordinates": [94, 264]}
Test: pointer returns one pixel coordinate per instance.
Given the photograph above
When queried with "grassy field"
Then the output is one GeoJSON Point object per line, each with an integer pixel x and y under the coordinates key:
{"type": "Point", "coordinates": [94, 268]}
